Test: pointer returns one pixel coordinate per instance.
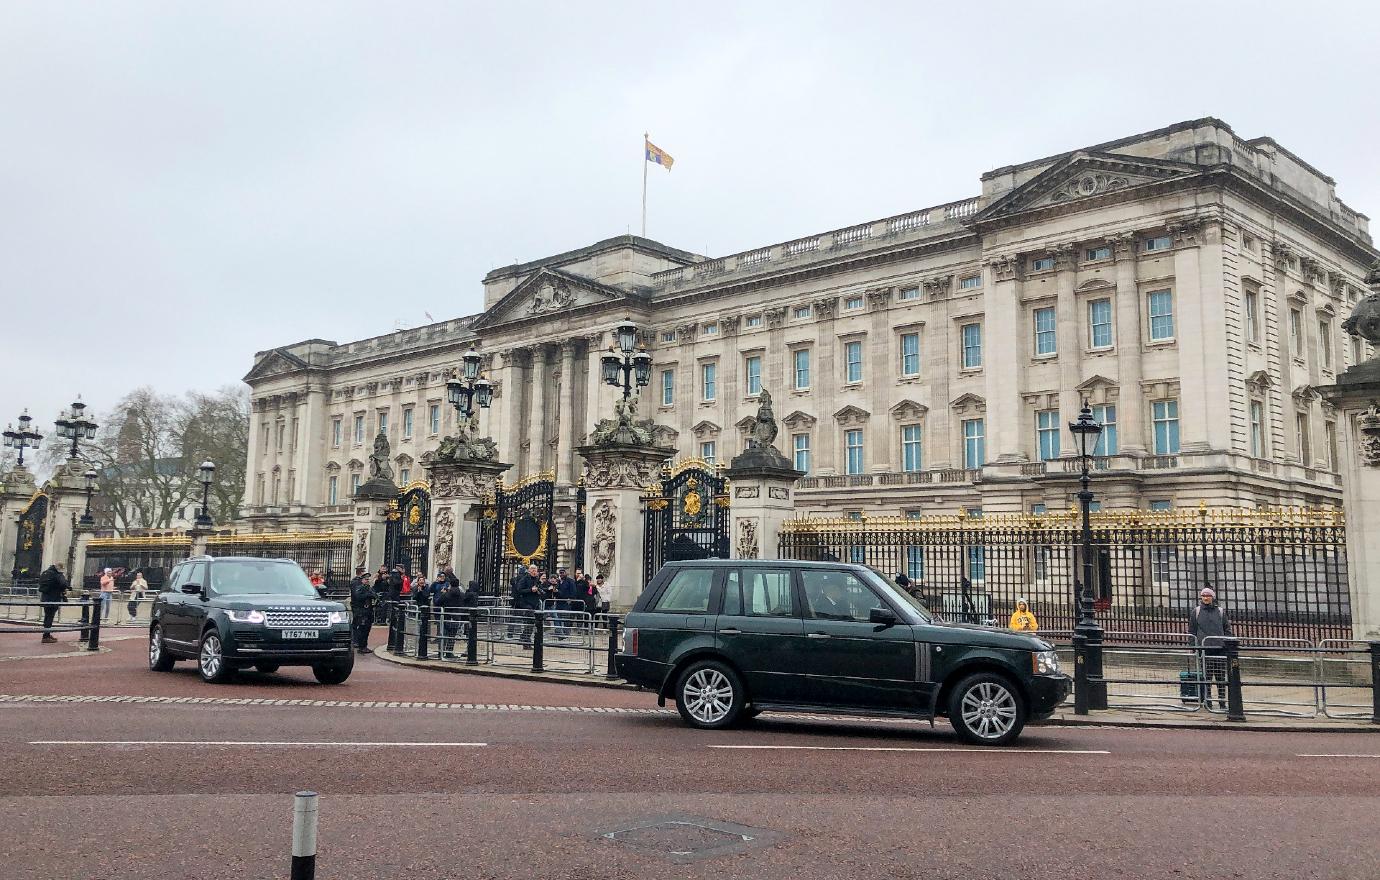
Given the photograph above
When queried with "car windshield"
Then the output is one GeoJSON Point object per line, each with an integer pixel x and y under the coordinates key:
{"type": "Point", "coordinates": [883, 583]}
{"type": "Point", "coordinates": [234, 577]}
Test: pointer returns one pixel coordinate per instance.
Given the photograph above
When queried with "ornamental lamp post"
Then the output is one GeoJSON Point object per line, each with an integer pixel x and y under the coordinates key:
{"type": "Point", "coordinates": [630, 369]}
{"type": "Point", "coordinates": [73, 425]}
{"type": "Point", "coordinates": [206, 474]}
{"type": "Point", "coordinates": [87, 520]}
{"type": "Point", "coordinates": [466, 388]}
{"type": "Point", "coordinates": [24, 438]}
{"type": "Point", "coordinates": [1090, 691]}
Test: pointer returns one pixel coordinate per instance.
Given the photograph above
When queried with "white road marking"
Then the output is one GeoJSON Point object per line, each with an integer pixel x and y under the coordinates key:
{"type": "Point", "coordinates": [1337, 756]}
{"type": "Point", "coordinates": [916, 749]}
{"type": "Point", "coordinates": [228, 742]}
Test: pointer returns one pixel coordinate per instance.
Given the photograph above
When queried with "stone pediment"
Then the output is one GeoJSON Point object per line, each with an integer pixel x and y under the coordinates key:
{"type": "Point", "coordinates": [1093, 284]}
{"type": "Point", "coordinates": [746, 423]}
{"type": "Point", "coordinates": [547, 291]}
{"type": "Point", "coordinates": [909, 410]}
{"type": "Point", "coordinates": [851, 415]}
{"type": "Point", "coordinates": [705, 429]}
{"type": "Point", "coordinates": [798, 420]}
{"type": "Point", "coordinates": [1259, 380]}
{"type": "Point", "coordinates": [1097, 381]}
{"type": "Point", "coordinates": [1085, 175]}
{"type": "Point", "coordinates": [275, 363]}
{"type": "Point", "coordinates": [963, 401]}
{"type": "Point", "coordinates": [665, 436]}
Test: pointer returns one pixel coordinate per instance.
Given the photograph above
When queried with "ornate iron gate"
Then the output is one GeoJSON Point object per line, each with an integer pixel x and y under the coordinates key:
{"type": "Point", "coordinates": [687, 516]}
{"type": "Point", "coordinates": [409, 530]}
{"type": "Point", "coordinates": [518, 527]}
{"type": "Point", "coordinates": [28, 548]}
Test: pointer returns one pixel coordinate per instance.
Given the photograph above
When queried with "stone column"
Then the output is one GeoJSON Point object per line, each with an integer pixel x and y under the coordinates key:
{"type": "Point", "coordinates": [565, 437]}
{"type": "Point", "coordinates": [536, 415]}
{"type": "Point", "coordinates": [1007, 434]}
{"type": "Point", "coordinates": [1132, 410]}
{"type": "Point", "coordinates": [1204, 405]}
{"type": "Point", "coordinates": [763, 498]}
{"type": "Point", "coordinates": [1071, 342]}
{"type": "Point", "coordinates": [616, 523]}
{"type": "Point", "coordinates": [458, 489]}
{"type": "Point", "coordinates": [17, 489]}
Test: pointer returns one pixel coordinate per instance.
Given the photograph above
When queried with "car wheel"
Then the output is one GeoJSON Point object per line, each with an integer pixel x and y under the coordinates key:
{"type": "Point", "coordinates": [986, 709]}
{"type": "Point", "coordinates": [266, 668]}
{"type": "Point", "coordinates": [333, 673]}
{"type": "Point", "coordinates": [159, 658]}
{"type": "Point", "coordinates": [709, 695]}
{"type": "Point", "coordinates": [211, 658]}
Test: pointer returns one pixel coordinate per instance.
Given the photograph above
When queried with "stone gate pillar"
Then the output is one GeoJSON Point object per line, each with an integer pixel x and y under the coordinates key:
{"type": "Point", "coordinates": [762, 486]}
{"type": "Point", "coordinates": [371, 526]}
{"type": "Point", "coordinates": [1357, 399]}
{"type": "Point", "coordinates": [17, 489]}
{"type": "Point", "coordinates": [66, 493]}
{"type": "Point", "coordinates": [615, 523]}
{"type": "Point", "coordinates": [458, 490]}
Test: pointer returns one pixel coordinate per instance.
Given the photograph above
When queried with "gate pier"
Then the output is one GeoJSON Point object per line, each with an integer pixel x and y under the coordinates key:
{"type": "Point", "coordinates": [459, 490]}
{"type": "Point", "coordinates": [615, 527]}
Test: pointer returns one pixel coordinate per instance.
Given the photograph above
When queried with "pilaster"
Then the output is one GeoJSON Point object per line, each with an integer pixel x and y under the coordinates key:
{"type": "Point", "coordinates": [536, 415]}
{"type": "Point", "coordinates": [1006, 441]}
{"type": "Point", "coordinates": [565, 434]}
{"type": "Point", "coordinates": [1129, 347]}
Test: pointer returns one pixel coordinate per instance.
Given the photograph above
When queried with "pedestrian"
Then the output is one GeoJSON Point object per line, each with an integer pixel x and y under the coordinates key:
{"type": "Point", "coordinates": [566, 599]}
{"type": "Point", "coordinates": [903, 582]}
{"type": "Point", "coordinates": [1207, 627]}
{"type": "Point", "coordinates": [600, 595]}
{"type": "Point", "coordinates": [965, 588]}
{"type": "Point", "coordinates": [52, 591]}
{"type": "Point", "coordinates": [318, 580]}
{"type": "Point", "coordinates": [107, 592]}
{"type": "Point", "coordinates": [138, 591]}
{"type": "Point", "coordinates": [527, 596]}
{"type": "Point", "coordinates": [397, 584]}
{"type": "Point", "coordinates": [406, 580]}
{"type": "Point", "coordinates": [451, 577]}
{"type": "Point", "coordinates": [1023, 619]}
{"type": "Point", "coordinates": [362, 601]}
{"type": "Point", "coordinates": [448, 606]}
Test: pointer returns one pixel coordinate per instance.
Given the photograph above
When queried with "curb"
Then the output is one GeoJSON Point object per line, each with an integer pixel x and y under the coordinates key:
{"type": "Point", "coordinates": [515, 674]}
{"type": "Point", "coordinates": [80, 652]}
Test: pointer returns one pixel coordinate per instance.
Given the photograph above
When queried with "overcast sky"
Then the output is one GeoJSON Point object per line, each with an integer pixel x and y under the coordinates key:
{"type": "Point", "coordinates": [183, 184]}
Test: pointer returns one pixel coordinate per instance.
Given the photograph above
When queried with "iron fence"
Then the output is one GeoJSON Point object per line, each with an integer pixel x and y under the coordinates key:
{"type": "Point", "coordinates": [555, 639]}
{"type": "Point", "coordinates": [327, 552]}
{"type": "Point", "coordinates": [1277, 573]}
{"type": "Point", "coordinates": [154, 556]}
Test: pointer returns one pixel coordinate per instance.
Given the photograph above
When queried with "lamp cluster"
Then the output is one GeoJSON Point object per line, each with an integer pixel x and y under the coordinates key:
{"type": "Point", "coordinates": [633, 367]}
{"type": "Point", "coordinates": [24, 438]}
{"type": "Point", "coordinates": [75, 426]}
{"type": "Point", "coordinates": [466, 388]}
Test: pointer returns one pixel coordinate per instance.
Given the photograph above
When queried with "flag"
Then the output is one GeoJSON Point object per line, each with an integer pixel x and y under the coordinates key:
{"type": "Point", "coordinates": [657, 155]}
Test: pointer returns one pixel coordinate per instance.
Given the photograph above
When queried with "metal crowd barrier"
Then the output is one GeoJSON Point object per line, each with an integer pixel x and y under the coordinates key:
{"type": "Point", "coordinates": [30, 619]}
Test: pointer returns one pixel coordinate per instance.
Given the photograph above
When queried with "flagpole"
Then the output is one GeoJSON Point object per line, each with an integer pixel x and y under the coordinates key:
{"type": "Point", "coordinates": [645, 135]}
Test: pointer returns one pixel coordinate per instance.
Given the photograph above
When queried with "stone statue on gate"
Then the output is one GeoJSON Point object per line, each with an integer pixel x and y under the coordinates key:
{"type": "Point", "coordinates": [1364, 323]}
{"type": "Point", "coordinates": [466, 445]}
{"type": "Point", "coordinates": [625, 428]}
{"type": "Point", "coordinates": [761, 449]}
{"type": "Point", "coordinates": [380, 468]}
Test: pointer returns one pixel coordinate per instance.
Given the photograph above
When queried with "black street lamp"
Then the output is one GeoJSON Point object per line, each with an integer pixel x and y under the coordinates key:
{"type": "Point", "coordinates": [467, 388]}
{"type": "Point", "coordinates": [24, 438]}
{"type": "Point", "coordinates": [87, 519]}
{"type": "Point", "coordinates": [634, 365]}
{"type": "Point", "coordinates": [75, 426]}
{"type": "Point", "coordinates": [206, 474]}
{"type": "Point", "coordinates": [1093, 695]}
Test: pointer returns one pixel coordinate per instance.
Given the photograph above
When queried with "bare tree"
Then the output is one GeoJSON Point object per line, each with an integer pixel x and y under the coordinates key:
{"type": "Point", "coordinates": [215, 427]}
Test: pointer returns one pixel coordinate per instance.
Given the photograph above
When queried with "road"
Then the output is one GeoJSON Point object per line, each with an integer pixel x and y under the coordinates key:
{"type": "Point", "coordinates": [525, 780]}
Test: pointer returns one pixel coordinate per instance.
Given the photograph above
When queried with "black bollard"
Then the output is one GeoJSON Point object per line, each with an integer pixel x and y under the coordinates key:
{"type": "Point", "coordinates": [472, 639]}
{"type": "Point", "coordinates": [395, 628]}
{"type": "Point", "coordinates": [1080, 674]}
{"type": "Point", "coordinates": [85, 602]}
{"type": "Point", "coordinates": [304, 812]}
{"type": "Point", "coordinates": [1375, 682]}
{"type": "Point", "coordinates": [538, 638]}
{"type": "Point", "coordinates": [612, 671]}
{"type": "Point", "coordinates": [423, 630]}
{"type": "Point", "coordinates": [1235, 709]}
{"type": "Point", "coordinates": [94, 642]}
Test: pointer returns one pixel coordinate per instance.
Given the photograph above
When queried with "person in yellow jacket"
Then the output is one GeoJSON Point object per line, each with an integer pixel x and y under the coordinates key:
{"type": "Point", "coordinates": [1023, 619]}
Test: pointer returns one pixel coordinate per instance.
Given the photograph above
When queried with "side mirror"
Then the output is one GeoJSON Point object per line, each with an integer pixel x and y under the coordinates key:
{"type": "Point", "coordinates": [192, 589]}
{"type": "Point", "coordinates": [883, 617]}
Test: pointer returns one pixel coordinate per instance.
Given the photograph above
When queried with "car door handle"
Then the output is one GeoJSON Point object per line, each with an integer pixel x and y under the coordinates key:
{"type": "Point", "coordinates": [729, 632]}
{"type": "Point", "coordinates": [817, 635]}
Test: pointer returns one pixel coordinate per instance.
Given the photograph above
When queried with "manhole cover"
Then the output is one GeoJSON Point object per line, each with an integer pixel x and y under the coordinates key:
{"type": "Point", "coordinates": [690, 838]}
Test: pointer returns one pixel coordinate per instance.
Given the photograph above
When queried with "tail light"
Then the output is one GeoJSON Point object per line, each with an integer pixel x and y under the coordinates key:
{"type": "Point", "coordinates": [630, 641]}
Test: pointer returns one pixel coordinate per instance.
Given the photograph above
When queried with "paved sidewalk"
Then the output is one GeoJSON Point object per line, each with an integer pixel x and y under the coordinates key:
{"type": "Point", "coordinates": [1200, 720]}
{"type": "Point", "coordinates": [28, 646]}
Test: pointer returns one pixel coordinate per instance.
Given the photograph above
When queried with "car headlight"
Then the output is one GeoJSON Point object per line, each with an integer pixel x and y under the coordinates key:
{"type": "Point", "coordinates": [250, 616]}
{"type": "Point", "coordinates": [338, 617]}
{"type": "Point", "coordinates": [1045, 662]}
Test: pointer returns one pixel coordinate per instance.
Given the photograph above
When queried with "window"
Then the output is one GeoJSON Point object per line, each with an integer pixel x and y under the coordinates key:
{"type": "Point", "coordinates": [668, 387]}
{"type": "Point", "coordinates": [1105, 415]}
{"type": "Point", "coordinates": [853, 445]}
{"type": "Point", "coordinates": [433, 418]}
{"type": "Point", "coordinates": [753, 371]}
{"type": "Point", "coordinates": [1038, 508]}
{"type": "Point", "coordinates": [1257, 429]}
{"type": "Point", "coordinates": [915, 564]}
{"type": "Point", "coordinates": [407, 423]}
{"type": "Point", "coordinates": [1252, 316]}
{"type": "Point", "coordinates": [1165, 416]}
{"type": "Point", "coordinates": [974, 443]}
{"type": "Point", "coordinates": [688, 592]}
{"type": "Point", "coordinates": [1158, 243]}
{"type": "Point", "coordinates": [280, 431]}
{"type": "Point", "coordinates": [711, 329]}
{"type": "Point", "coordinates": [912, 457]}
{"type": "Point", "coordinates": [708, 375]}
{"type": "Point", "coordinates": [977, 568]}
{"type": "Point", "coordinates": [354, 484]}
{"type": "Point", "coordinates": [1094, 507]}
{"type": "Point", "coordinates": [263, 432]}
{"type": "Point", "coordinates": [404, 476]}
{"type": "Point", "coordinates": [754, 321]}
{"type": "Point", "coordinates": [910, 354]}
{"type": "Point", "coordinates": [1098, 253]}
{"type": "Point", "coordinates": [707, 451]}
{"type": "Point", "coordinates": [1304, 439]}
{"type": "Point", "coordinates": [1325, 344]}
{"type": "Point", "coordinates": [1043, 264]}
{"type": "Point", "coordinates": [969, 282]}
{"type": "Point", "coordinates": [383, 421]}
{"type": "Point", "coordinates": [1047, 433]}
{"type": "Point", "coordinates": [335, 432]}
{"type": "Point", "coordinates": [1161, 306]}
{"type": "Point", "coordinates": [1161, 506]}
{"type": "Point", "coordinates": [800, 312]}
{"type": "Point", "coordinates": [1046, 336]}
{"type": "Point", "coordinates": [852, 359]}
{"type": "Point", "coordinates": [853, 302]}
{"type": "Point", "coordinates": [1330, 433]}
{"type": "Point", "coordinates": [1100, 323]}
{"type": "Point", "coordinates": [910, 293]}
{"type": "Point", "coordinates": [1296, 333]}
{"type": "Point", "coordinates": [359, 430]}
{"type": "Point", "coordinates": [332, 489]}
{"type": "Point", "coordinates": [837, 595]}
{"type": "Point", "coordinates": [668, 336]}
{"type": "Point", "coordinates": [800, 443]}
{"type": "Point", "coordinates": [972, 346]}
{"type": "Point", "coordinates": [801, 359]}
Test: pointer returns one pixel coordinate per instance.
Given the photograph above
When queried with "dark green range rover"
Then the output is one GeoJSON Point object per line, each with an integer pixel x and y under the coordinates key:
{"type": "Point", "coordinates": [727, 639]}
{"type": "Point", "coordinates": [234, 612]}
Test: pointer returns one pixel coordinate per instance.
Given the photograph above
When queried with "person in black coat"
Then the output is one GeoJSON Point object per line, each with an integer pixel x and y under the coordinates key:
{"type": "Point", "coordinates": [52, 591]}
{"type": "Point", "coordinates": [527, 594]}
{"type": "Point", "coordinates": [362, 600]}
{"type": "Point", "coordinates": [449, 603]}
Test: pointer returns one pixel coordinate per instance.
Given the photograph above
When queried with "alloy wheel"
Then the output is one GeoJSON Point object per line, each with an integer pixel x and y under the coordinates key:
{"type": "Point", "coordinates": [211, 659]}
{"type": "Point", "coordinates": [989, 710]}
{"type": "Point", "coordinates": [708, 696]}
{"type": "Point", "coordinates": [155, 647]}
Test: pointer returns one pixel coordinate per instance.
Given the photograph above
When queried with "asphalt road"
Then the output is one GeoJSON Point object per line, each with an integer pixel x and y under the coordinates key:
{"type": "Point", "coordinates": [190, 790]}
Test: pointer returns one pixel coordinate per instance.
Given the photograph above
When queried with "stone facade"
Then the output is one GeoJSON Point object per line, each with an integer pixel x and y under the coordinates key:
{"type": "Point", "coordinates": [1188, 283]}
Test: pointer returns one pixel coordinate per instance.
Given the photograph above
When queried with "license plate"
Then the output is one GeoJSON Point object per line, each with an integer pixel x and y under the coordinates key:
{"type": "Point", "coordinates": [300, 633]}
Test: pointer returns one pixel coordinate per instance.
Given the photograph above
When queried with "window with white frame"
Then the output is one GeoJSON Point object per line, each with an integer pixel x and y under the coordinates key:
{"type": "Point", "coordinates": [280, 431]}
{"type": "Point", "coordinates": [407, 423]}
{"type": "Point", "coordinates": [1325, 343]}
{"type": "Point", "coordinates": [800, 445]}
{"type": "Point", "coordinates": [753, 321]}
{"type": "Point", "coordinates": [974, 443]}
{"type": "Point", "coordinates": [1100, 323]}
{"type": "Point", "coordinates": [1164, 415]}
{"type": "Point", "coordinates": [1304, 439]}
{"type": "Point", "coordinates": [852, 361]}
{"type": "Point", "coordinates": [853, 303]}
{"type": "Point", "coordinates": [335, 432]}
{"type": "Point", "coordinates": [383, 421]}
{"type": "Point", "coordinates": [1296, 333]}
{"type": "Point", "coordinates": [668, 387]}
{"type": "Point", "coordinates": [709, 380]}
{"type": "Point", "coordinates": [972, 346]}
{"type": "Point", "coordinates": [668, 336]}
{"type": "Point", "coordinates": [752, 369]}
{"type": "Point", "coordinates": [1356, 350]}
{"type": "Point", "coordinates": [1105, 415]}
{"type": "Point", "coordinates": [1042, 264]}
{"type": "Point", "coordinates": [853, 449]}
{"type": "Point", "coordinates": [800, 312]}
{"type": "Point", "coordinates": [969, 282]}
{"type": "Point", "coordinates": [711, 329]}
{"type": "Point", "coordinates": [800, 360]}
{"type": "Point", "coordinates": [1047, 433]}
{"type": "Point", "coordinates": [1160, 305]}
{"type": "Point", "coordinates": [1252, 315]}
{"type": "Point", "coordinates": [1038, 508]}
{"type": "Point", "coordinates": [433, 419]}
{"type": "Point", "coordinates": [1094, 254]}
{"type": "Point", "coordinates": [404, 476]}
{"type": "Point", "coordinates": [707, 451]}
{"type": "Point", "coordinates": [354, 484]}
{"type": "Point", "coordinates": [910, 293]}
{"type": "Point", "coordinates": [912, 448]}
{"type": "Point", "coordinates": [915, 563]}
{"type": "Point", "coordinates": [1162, 505]}
{"type": "Point", "coordinates": [1046, 332]}
{"type": "Point", "coordinates": [910, 354]}
{"type": "Point", "coordinates": [359, 430]}
{"type": "Point", "coordinates": [1158, 243]}
{"type": "Point", "coordinates": [332, 490]}
{"type": "Point", "coordinates": [1257, 411]}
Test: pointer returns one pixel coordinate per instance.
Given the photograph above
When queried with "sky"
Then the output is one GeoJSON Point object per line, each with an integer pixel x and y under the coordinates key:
{"type": "Point", "coordinates": [184, 184]}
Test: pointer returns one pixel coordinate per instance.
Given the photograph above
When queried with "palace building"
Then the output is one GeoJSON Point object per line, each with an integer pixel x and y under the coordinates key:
{"type": "Point", "coordinates": [1187, 283]}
